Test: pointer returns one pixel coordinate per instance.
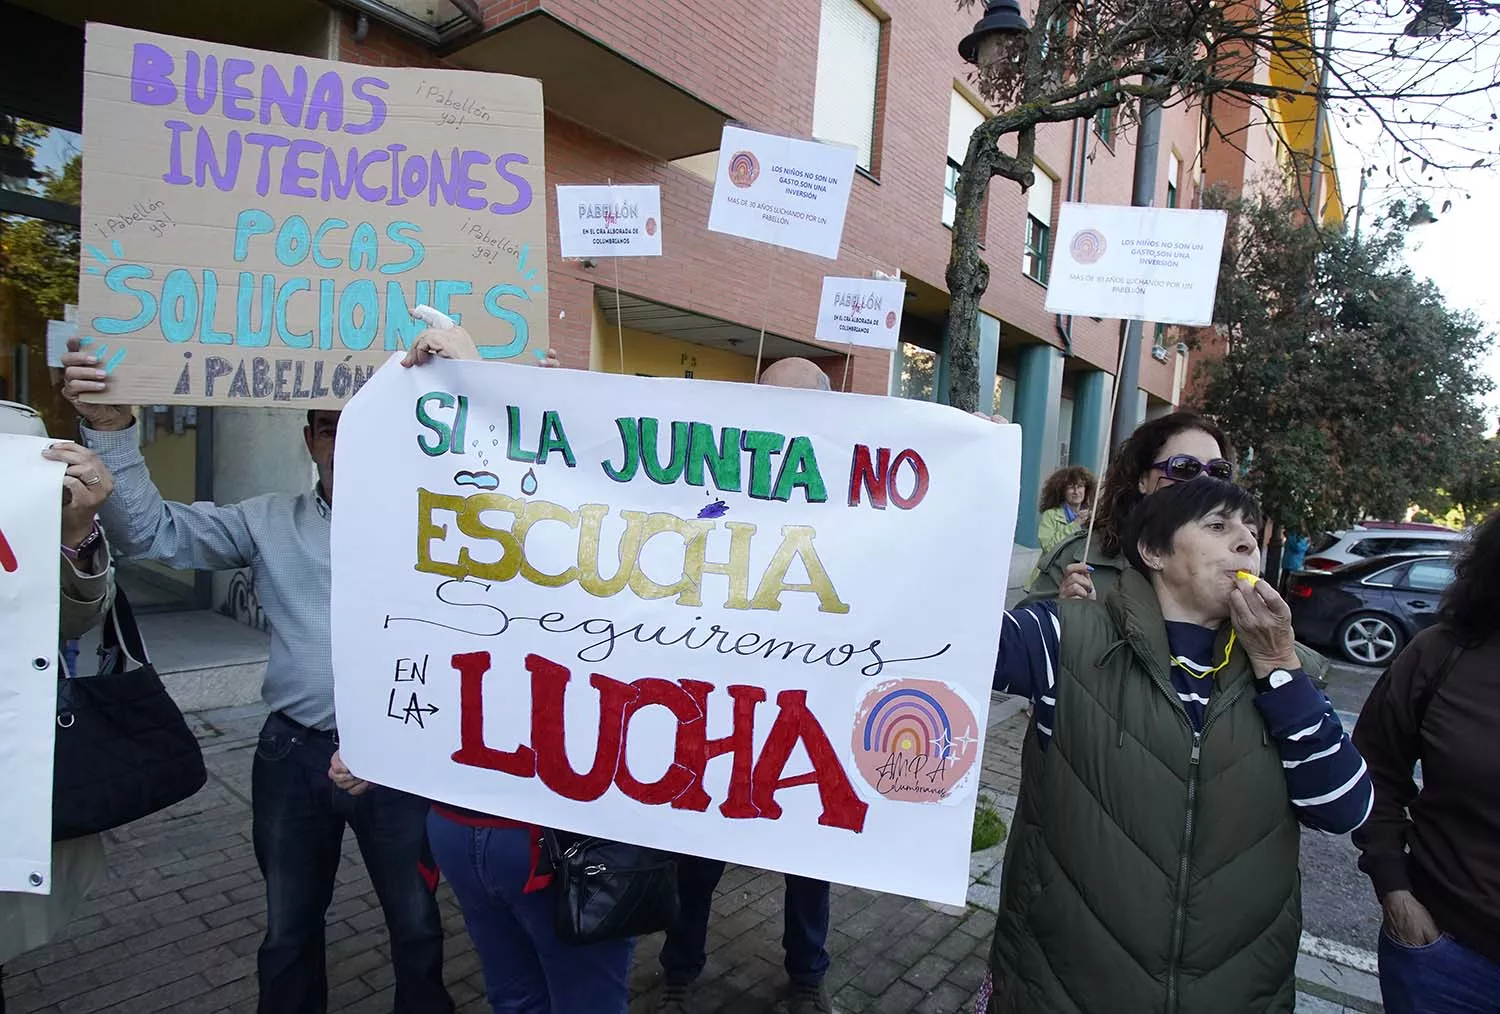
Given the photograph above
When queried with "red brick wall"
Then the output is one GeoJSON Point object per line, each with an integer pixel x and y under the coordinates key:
{"type": "Point", "coordinates": [757, 62]}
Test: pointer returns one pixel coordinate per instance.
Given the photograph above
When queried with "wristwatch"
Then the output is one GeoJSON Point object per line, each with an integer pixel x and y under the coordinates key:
{"type": "Point", "coordinates": [87, 546]}
{"type": "Point", "coordinates": [1276, 679]}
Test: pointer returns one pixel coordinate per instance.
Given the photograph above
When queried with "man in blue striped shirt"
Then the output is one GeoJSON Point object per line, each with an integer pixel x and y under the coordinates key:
{"type": "Point", "coordinates": [298, 814]}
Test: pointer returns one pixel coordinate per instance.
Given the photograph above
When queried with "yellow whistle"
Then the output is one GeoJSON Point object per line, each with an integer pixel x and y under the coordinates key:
{"type": "Point", "coordinates": [1247, 576]}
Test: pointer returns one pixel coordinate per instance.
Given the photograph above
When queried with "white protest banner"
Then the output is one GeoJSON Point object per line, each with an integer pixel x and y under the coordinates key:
{"type": "Point", "coordinates": [766, 634]}
{"type": "Point", "coordinates": [782, 190]}
{"type": "Point", "coordinates": [1156, 264]}
{"type": "Point", "coordinates": [609, 221]}
{"type": "Point", "coordinates": [861, 311]}
{"type": "Point", "coordinates": [258, 227]}
{"type": "Point", "coordinates": [30, 527]}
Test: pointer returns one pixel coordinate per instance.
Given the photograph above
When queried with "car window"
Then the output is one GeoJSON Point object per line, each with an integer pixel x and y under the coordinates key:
{"type": "Point", "coordinates": [1390, 577]}
{"type": "Point", "coordinates": [1323, 543]}
{"type": "Point", "coordinates": [1430, 575]}
{"type": "Point", "coordinates": [1371, 547]}
{"type": "Point", "coordinates": [1432, 545]}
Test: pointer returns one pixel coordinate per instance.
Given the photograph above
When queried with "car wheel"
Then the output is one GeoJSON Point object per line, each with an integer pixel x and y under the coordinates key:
{"type": "Point", "coordinates": [1370, 639]}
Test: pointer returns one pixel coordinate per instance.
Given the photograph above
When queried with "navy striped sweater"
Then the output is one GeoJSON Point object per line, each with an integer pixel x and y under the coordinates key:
{"type": "Point", "coordinates": [1326, 778]}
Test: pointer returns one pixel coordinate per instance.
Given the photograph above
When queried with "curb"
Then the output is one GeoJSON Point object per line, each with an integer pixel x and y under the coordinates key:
{"type": "Point", "coordinates": [1339, 973]}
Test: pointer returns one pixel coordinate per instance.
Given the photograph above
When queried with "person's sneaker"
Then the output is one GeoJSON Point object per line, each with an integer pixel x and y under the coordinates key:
{"type": "Point", "coordinates": [675, 998]}
{"type": "Point", "coordinates": [807, 998]}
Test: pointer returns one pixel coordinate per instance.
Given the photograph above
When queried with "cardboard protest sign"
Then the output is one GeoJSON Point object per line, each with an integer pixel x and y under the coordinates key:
{"type": "Point", "coordinates": [861, 311]}
{"type": "Point", "coordinates": [609, 221]}
{"type": "Point", "coordinates": [30, 523]}
{"type": "Point", "coordinates": [258, 227]}
{"type": "Point", "coordinates": [782, 190]}
{"type": "Point", "coordinates": [1156, 264]}
{"type": "Point", "coordinates": [737, 621]}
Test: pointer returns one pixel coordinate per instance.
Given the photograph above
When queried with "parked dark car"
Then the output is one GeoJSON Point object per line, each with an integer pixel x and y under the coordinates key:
{"type": "Point", "coordinates": [1370, 609]}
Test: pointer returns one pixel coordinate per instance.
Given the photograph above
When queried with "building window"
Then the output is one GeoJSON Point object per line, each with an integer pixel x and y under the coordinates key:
{"type": "Point", "coordinates": [1038, 250]}
{"type": "Point", "coordinates": [950, 192]}
{"type": "Point", "coordinates": [848, 69]}
{"type": "Point", "coordinates": [1104, 119]}
{"type": "Point", "coordinates": [1174, 179]}
{"type": "Point", "coordinates": [963, 119]}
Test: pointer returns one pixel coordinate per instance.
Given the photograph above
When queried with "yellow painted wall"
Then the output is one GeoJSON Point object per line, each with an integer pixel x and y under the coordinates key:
{"type": "Point", "coordinates": [655, 355]}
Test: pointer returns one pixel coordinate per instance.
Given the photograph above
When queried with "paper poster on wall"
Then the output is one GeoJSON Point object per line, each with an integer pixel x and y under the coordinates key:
{"type": "Point", "coordinates": [862, 311]}
{"type": "Point", "coordinates": [1155, 264]}
{"type": "Point", "coordinates": [782, 190]}
{"type": "Point", "coordinates": [30, 520]}
{"type": "Point", "coordinates": [609, 221]}
{"type": "Point", "coordinates": [713, 618]}
{"type": "Point", "coordinates": [257, 227]}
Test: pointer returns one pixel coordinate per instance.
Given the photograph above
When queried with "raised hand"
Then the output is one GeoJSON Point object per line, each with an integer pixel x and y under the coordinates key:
{"type": "Point", "coordinates": [81, 376]}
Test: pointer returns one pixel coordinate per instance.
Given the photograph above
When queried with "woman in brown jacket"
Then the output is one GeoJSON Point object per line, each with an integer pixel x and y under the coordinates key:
{"type": "Point", "coordinates": [1432, 850]}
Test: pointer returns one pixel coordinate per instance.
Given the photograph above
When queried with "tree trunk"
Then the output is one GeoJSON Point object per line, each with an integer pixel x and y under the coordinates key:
{"type": "Point", "coordinates": [967, 276]}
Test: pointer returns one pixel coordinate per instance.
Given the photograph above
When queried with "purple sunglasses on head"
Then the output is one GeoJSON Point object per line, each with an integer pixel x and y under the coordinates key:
{"type": "Point", "coordinates": [1185, 468]}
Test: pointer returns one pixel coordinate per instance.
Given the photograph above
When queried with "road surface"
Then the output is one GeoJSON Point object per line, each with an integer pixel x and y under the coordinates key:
{"type": "Point", "coordinates": [1337, 902]}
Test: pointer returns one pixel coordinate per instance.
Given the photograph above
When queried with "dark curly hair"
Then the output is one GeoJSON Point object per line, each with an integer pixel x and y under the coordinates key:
{"type": "Point", "coordinates": [1055, 489]}
{"type": "Point", "coordinates": [1134, 458]}
{"type": "Point", "coordinates": [1471, 605]}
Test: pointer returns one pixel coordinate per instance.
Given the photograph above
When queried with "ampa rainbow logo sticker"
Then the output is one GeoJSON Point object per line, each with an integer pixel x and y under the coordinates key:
{"type": "Point", "coordinates": [744, 169]}
{"type": "Point", "coordinates": [915, 740]}
{"type": "Point", "coordinates": [1088, 246]}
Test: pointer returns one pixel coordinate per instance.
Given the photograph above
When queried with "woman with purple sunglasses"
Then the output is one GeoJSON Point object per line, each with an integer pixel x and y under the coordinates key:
{"type": "Point", "coordinates": [1175, 448]}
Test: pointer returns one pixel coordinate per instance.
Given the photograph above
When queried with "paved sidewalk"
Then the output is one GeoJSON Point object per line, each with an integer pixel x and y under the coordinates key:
{"type": "Point", "coordinates": [176, 927]}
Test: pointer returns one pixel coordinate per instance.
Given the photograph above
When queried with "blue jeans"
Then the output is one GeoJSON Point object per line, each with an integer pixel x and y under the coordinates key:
{"type": "Point", "coordinates": [298, 819]}
{"type": "Point", "coordinates": [1442, 978]}
{"type": "Point", "coordinates": [804, 924]}
{"type": "Point", "coordinates": [528, 969]}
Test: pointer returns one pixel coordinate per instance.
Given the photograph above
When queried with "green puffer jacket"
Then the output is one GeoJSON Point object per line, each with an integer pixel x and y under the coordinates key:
{"type": "Point", "coordinates": [1150, 869]}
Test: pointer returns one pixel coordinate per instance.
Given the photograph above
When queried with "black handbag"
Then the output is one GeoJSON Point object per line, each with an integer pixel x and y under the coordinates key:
{"type": "Point", "coordinates": [608, 890]}
{"type": "Point", "coordinates": [123, 750]}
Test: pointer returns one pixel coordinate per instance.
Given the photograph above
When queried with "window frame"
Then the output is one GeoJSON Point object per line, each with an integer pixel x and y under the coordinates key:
{"type": "Point", "coordinates": [1103, 120]}
{"type": "Point", "coordinates": [1041, 257]}
{"type": "Point", "coordinates": [882, 24]}
{"type": "Point", "coordinates": [952, 170]}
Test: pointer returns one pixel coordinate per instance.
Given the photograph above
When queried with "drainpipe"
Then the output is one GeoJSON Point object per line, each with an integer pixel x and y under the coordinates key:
{"type": "Point", "coordinates": [1077, 175]}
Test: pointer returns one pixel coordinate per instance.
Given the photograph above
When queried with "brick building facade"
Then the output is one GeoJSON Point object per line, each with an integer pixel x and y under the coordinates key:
{"type": "Point", "coordinates": [638, 91]}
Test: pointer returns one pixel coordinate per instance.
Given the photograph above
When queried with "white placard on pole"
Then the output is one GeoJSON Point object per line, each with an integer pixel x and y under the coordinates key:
{"type": "Point", "coordinates": [30, 523]}
{"type": "Point", "coordinates": [609, 221]}
{"type": "Point", "coordinates": [782, 190]}
{"type": "Point", "coordinates": [742, 622]}
{"type": "Point", "coordinates": [58, 333]}
{"type": "Point", "coordinates": [861, 311]}
{"type": "Point", "coordinates": [1153, 264]}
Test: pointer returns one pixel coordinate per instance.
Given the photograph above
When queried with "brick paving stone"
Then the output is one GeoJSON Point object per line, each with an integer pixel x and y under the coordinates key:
{"type": "Point", "coordinates": [176, 927]}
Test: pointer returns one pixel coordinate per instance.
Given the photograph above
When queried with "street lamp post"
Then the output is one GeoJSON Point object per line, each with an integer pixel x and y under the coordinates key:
{"type": "Point", "coordinates": [985, 46]}
{"type": "Point", "coordinates": [1434, 17]}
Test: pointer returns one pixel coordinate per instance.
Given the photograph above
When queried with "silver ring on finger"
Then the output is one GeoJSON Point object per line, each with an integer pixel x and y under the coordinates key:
{"type": "Point", "coordinates": [92, 480]}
